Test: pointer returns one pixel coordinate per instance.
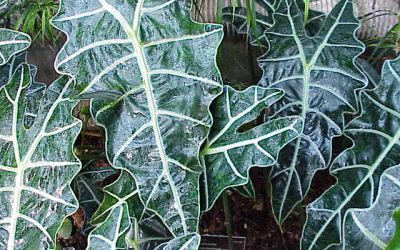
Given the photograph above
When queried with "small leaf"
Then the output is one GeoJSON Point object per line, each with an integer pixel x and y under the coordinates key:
{"type": "Point", "coordinates": [228, 155]}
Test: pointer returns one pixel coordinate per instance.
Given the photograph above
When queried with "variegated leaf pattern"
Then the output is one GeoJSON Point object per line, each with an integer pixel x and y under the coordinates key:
{"type": "Point", "coordinates": [121, 222]}
{"type": "Point", "coordinates": [191, 241]}
{"type": "Point", "coordinates": [11, 41]}
{"type": "Point", "coordinates": [376, 136]}
{"type": "Point", "coordinates": [319, 78]}
{"type": "Point", "coordinates": [372, 228]}
{"type": "Point", "coordinates": [229, 154]}
{"type": "Point", "coordinates": [37, 163]}
{"type": "Point", "coordinates": [161, 67]}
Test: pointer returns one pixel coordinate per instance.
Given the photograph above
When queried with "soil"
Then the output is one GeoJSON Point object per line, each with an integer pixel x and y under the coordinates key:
{"type": "Point", "coordinates": [254, 219]}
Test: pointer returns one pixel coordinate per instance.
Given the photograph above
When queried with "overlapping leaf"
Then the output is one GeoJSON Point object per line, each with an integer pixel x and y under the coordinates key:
{"type": "Point", "coordinates": [373, 227]}
{"type": "Point", "coordinates": [376, 134]}
{"type": "Point", "coordinates": [158, 68]}
{"type": "Point", "coordinates": [240, 17]}
{"type": "Point", "coordinates": [37, 162]}
{"type": "Point", "coordinates": [88, 189]}
{"type": "Point", "coordinates": [11, 41]}
{"type": "Point", "coordinates": [319, 77]}
{"type": "Point", "coordinates": [229, 154]}
{"type": "Point", "coordinates": [121, 222]}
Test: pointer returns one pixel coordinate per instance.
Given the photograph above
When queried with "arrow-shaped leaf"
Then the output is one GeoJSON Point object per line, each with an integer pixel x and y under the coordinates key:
{"type": "Point", "coordinates": [229, 154]}
{"type": "Point", "coordinates": [319, 78]}
{"type": "Point", "coordinates": [376, 136]}
{"type": "Point", "coordinates": [160, 65]}
{"type": "Point", "coordinates": [37, 163]}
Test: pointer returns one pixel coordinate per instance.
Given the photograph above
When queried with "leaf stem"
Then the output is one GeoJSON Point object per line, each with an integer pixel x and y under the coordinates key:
{"type": "Point", "coordinates": [306, 11]}
{"type": "Point", "coordinates": [228, 219]}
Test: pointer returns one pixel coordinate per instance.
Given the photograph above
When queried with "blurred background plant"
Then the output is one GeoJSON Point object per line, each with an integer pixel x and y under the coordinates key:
{"type": "Point", "coordinates": [380, 30]}
{"type": "Point", "coordinates": [32, 17]}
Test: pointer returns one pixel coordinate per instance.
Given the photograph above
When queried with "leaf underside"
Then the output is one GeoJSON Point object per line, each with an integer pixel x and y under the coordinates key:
{"type": "Point", "coordinates": [158, 68]}
{"type": "Point", "coordinates": [319, 78]}
{"type": "Point", "coordinates": [359, 170]}
{"type": "Point", "coordinates": [37, 162]}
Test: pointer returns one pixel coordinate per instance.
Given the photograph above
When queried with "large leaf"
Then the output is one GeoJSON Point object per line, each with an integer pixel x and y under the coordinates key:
{"type": "Point", "coordinates": [37, 162]}
{"type": "Point", "coordinates": [373, 227]}
{"type": "Point", "coordinates": [229, 154]}
{"type": "Point", "coordinates": [376, 134]}
{"type": "Point", "coordinates": [158, 68]}
{"type": "Point", "coordinates": [319, 77]}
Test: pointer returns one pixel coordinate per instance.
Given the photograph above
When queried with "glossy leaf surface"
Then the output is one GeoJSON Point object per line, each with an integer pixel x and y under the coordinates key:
{"type": "Point", "coordinates": [37, 163]}
{"type": "Point", "coordinates": [122, 223]}
{"type": "Point", "coordinates": [373, 227]}
{"type": "Point", "coordinates": [158, 69]}
{"type": "Point", "coordinates": [11, 43]}
{"type": "Point", "coordinates": [229, 154]}
{"type": "Point", "coordinates": [319, 78]}
{"type": "Point", "coordinates": [376, 134]}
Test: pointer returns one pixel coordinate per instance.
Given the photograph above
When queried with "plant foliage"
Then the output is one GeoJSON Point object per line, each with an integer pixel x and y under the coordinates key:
{"type": "Point", "coordinates": [37, 162]}
{"type": "Point", "coordinates": [376, 134]}
{"type": "Point", "coordinates": [319, 78]}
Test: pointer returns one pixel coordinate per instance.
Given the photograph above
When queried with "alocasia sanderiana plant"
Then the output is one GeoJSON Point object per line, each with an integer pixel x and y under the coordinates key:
{"type": "Point", "coordinates": [37, 160]}
{"type": "Point", "coordinates": [177, 138]}
{"type": "Point", "coordinates": [357, 210]}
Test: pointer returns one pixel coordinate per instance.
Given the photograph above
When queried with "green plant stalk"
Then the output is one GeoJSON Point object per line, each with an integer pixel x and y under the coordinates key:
{"type": "Point", "coordinates": [394, 243]}
{"type": "Point", "coordinates": [228, 219]}
{"type": "Point", "coordinates": [251, 17]}
{"type": "Point", "coordinates": [306, 11]}
{"type": "Point", "coordinates": [219, 11]}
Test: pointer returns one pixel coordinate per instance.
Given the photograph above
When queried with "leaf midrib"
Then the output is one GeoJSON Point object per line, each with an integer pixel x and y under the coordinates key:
{"type": "Point", "coordinates": [307, 68]}
{"type": "Point", "coordinates": [22, 166]}
{"type": "Point", "coordinates": [132, 34]}
{"type": "Point", "coordinates": [371, 171]}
